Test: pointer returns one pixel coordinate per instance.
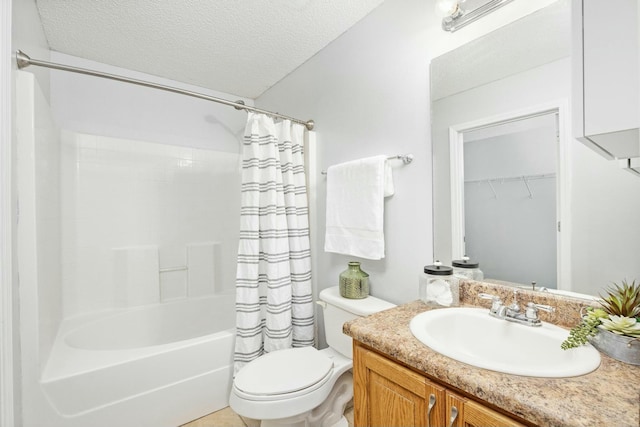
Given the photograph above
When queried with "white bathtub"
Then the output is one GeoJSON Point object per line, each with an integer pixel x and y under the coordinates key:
{"type": "Point", "coordinates": [155, 366]}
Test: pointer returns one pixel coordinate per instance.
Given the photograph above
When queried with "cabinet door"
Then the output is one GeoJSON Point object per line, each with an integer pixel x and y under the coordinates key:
{"type": "Point", "coordinates": [605, 70]}
{"type": "Point", "coordinates": [435, 397]}
{"type": "Point", "coordinates": [387, 394]}
{"type": "Point", "coordinates": [455, 406]}
{"type": "Point", "coordinates": [463, 412]}
{"type": "Point", "coordinates": [611, 83]}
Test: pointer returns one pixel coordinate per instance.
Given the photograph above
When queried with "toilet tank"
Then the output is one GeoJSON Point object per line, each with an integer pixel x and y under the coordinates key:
{"type": "Point", "coordinates": [339, 310]}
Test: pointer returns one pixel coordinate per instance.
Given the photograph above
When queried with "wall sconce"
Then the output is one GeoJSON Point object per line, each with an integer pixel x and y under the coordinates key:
{"type": "Point", "coordinates": [455, 16]}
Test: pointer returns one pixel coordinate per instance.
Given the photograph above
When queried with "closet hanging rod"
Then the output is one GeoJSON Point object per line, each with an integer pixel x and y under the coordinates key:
{"type": "Point", "coordinates": [513, 178]}
{"type": "Point", "coordinates": [23, 60]}
{"type": "Point", "coordinates": [406, 159]}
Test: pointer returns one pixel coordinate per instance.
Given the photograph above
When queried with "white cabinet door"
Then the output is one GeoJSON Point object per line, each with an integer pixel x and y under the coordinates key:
{"type": "Point", "coordinates": [609, 65]}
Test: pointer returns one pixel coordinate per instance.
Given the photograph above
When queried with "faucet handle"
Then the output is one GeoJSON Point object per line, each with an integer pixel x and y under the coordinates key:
{"type": "Point", "coordinates": [488, 296]}
{"type": "Point", "coordinates": [494, 298]}
{"type": "Point", "coordinates": [531, 313]}
{"type": "Point", "coordinates": [496, 302]}
{"type": "Point", "coordinates": [543, 307]}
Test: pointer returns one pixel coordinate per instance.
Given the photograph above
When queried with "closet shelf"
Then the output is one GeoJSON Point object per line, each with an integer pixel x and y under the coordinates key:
{"type": "Point", "coordinates": [512, 178]}
{"type": "Point", "coordinates": [524, 178]}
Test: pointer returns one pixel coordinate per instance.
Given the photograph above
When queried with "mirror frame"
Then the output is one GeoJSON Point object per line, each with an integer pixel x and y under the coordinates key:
{"type": "Point", "coordinates": [563, 181]}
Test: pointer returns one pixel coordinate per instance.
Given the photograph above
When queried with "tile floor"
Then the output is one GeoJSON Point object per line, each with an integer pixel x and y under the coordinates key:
{"type": "Point", "coordinates": [227, 418]}
{"type": "Point", "coordinates": [222, 418]}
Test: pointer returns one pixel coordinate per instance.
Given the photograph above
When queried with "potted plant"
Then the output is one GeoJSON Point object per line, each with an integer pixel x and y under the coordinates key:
{"type": "Point", "coordinates": [613, 329]}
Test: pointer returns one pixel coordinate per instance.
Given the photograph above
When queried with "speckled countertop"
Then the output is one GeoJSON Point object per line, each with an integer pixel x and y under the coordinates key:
{"type": "Point", "coordinates": [608, 396]}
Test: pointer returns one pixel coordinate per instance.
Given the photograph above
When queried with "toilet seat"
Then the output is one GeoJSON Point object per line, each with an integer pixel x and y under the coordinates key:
{"type": "Point", "coordinates": [283, 374]}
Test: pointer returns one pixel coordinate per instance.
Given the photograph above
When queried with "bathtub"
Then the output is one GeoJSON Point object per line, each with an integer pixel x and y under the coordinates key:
{"type": "Point", "coordinates": [158, 365]}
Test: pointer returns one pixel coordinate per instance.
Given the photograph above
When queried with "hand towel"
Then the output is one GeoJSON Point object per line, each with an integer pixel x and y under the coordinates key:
{"type": "Point", "coordinates": [355, 207]}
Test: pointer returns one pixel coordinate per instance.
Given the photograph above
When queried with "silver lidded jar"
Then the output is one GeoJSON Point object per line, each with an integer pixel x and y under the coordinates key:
{"type": "Point", "coordinates": [438, 286]}
{"type": "Point", "coordinates": [466, 269]}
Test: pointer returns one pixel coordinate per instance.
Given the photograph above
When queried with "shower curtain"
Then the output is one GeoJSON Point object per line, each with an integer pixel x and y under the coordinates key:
{"type": "Point", "coordinates": [274, 302]}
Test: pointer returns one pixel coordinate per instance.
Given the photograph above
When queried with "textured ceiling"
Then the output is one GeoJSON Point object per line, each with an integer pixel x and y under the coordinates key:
{"type": "Point", "coordinates": [241, 47]}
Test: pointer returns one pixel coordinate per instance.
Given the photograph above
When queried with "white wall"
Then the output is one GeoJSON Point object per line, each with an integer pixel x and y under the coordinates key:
{"type": "Point", "coordinates": [606, 222]}
{"type": "Point", "coordinates": [368, 92]}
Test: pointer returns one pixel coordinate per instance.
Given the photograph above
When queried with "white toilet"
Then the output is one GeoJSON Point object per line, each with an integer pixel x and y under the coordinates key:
{"type": "Point", "coordinates": [305, 387]}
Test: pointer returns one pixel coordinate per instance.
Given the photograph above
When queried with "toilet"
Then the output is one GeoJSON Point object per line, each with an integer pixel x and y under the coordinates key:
{"type": "Point", "coordinates": [305, 387]}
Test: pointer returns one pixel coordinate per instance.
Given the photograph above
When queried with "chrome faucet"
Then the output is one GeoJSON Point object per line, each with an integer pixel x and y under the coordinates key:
{"type": "Point", "coordinates": [497, 308]}
{"type": "Point", "coordinates": [514, 308]}
{"type": "Point", "coordinates": [512, 312]}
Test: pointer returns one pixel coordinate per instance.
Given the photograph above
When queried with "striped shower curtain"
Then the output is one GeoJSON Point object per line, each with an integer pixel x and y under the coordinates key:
{"type": "Point", "coordinates": [274, 303]}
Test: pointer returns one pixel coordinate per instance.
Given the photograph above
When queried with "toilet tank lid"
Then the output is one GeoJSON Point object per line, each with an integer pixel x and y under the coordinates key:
{"type": "Point", "coordinates": [359, 307]}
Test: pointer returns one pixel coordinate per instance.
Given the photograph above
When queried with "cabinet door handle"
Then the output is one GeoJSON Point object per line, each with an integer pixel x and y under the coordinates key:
{"type": "Point", "coordinates": [454, 415]}
{"type": "Point", "coordinates": [432, 403]}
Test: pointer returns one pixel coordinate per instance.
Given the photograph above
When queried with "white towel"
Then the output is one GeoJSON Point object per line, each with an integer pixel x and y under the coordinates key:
{"type": "Point", "coordinates": [355, 207]}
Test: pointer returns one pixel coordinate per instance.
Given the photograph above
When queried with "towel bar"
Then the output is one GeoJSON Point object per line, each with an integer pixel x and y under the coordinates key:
{"type": "Point", "coordinates": [406, 159]}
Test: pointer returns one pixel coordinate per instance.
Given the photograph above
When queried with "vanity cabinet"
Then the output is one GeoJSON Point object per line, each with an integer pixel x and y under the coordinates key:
{"type": "Point", "coordinates": [389, 394]}
{"type": "Point", "coordinates": [606, 76]}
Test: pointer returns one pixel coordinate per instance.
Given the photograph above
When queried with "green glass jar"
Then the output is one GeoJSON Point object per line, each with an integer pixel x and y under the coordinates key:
{"type": "Point", "coordinates": [354, 283]}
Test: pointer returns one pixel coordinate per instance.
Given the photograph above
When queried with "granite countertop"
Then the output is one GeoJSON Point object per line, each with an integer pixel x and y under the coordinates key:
{"type": "Point", "coordinates": [608, 396]}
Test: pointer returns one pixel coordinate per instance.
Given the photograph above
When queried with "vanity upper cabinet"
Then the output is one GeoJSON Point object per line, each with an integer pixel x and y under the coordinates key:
{"type": "Point", "coordinates": [388, 394]}
{"type": "Point", "coordinates": [606, 76]}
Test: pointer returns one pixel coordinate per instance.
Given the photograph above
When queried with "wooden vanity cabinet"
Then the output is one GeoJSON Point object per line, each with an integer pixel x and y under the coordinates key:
{"type": "Point", "coordinates": [387, 394]}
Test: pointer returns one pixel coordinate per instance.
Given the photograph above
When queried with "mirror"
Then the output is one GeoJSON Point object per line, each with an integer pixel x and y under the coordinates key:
{"type": "Point", "coordinates": [510, 195]}
{"type": "Point", "coordinates": [484, 93]}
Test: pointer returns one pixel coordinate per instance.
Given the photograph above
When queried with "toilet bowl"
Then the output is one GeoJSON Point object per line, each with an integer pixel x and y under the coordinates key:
{"type": "Point", "coordinates": [305, 387]}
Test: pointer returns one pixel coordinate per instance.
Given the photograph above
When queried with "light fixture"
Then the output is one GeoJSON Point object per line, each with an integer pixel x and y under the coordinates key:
{"type": "Point", "coordinates": [447, 8]}
{"type": "Point", "coordinates": [456, 17]}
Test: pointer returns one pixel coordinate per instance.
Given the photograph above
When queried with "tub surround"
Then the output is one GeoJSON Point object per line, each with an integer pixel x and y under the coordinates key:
{"type": "Point", "coordinates": [136, 222]}
{"type": "Point", "coordinates": [610, 395]}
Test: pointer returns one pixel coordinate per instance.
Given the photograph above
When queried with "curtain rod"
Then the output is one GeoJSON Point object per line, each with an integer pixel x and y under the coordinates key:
{"type": "Point", "coordinates": [23, 60]}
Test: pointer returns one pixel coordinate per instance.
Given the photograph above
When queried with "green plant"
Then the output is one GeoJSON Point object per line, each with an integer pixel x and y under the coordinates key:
{"type": "Point", "coordinates": [620, 325]}
{"type": "Point", "coordinates": [619, 314]}
{"type": "Point", "coordinates": [588, 327]}
{"type": "Point", "coordinates": [622, 300]}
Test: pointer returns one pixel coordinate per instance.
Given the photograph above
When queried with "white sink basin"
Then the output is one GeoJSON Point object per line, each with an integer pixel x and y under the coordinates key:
{"type": "Point", "coordinates": [471, 336]}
